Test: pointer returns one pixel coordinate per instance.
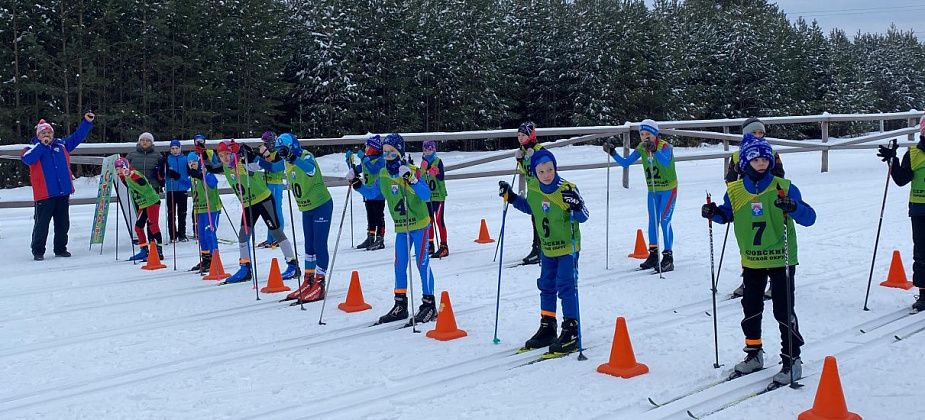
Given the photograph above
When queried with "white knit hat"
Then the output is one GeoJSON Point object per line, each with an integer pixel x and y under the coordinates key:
{"type": "Point", "coordinates": [146, 135]}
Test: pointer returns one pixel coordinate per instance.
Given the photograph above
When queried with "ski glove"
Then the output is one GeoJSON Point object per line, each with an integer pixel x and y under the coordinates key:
{"type": "Point", "coordinates": [293, 154]}
{"type": "Point", "coordinates": [405, 172]}
{"type": "Point", "coordinates": [504, 191]}
{"type": "Point", "coordinates": [195, 173]}
{"type": "Point", "coordinates": [173, 174]}
{"type": "Point", "coordinates": [887, 153]}
{"type": "Point", "coordinates": [249, 152]}
{"type": "Point", "coordinates": [355, 183]}
{"type": "Point", "coordinates": [709, 210]}
{"type": "Point", "coordinates": [650, 146]}
{"type": "Point", "coordinates": [574, 201]}
{"type": "Point", "coordinates": [786, 204]}
{"type": "Point", "coordinates": [609, 148]}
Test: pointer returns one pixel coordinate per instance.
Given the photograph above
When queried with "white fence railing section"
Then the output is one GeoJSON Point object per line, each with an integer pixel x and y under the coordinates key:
{"type": "Point", "coordinates": [92, 153]}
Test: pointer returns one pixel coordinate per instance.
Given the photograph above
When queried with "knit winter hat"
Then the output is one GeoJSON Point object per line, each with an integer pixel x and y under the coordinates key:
{"type": "Point", "coordinates": [755, 148]}
{"type": "Point", "coordinates": [122, 163]}
{"type": "Point", "coordinates": [542, 156]}
{"type": "Point", "coordinates": [146, 135]}
{"type": "Point", "coordinates": [751, 125]}
{"type": "Point", "coordinates": [650, 126]}
{"type": "Point", "coordinates": [374, 141]}
{"type": "Point", "coordinates": [176, 143]}
{"type": "Point", "coordinates": [430, 144]}
{"type": "Point", "coordinates": [528, 128]}
{"type": "Point", "coordinates": [192, 157]}
{"type": "Point", "coordinates": [42, 126]}
{"type": "Point", "coordinates": [397, 141]}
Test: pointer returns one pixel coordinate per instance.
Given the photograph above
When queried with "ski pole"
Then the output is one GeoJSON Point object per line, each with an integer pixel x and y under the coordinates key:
{"type": "Point", "coordinates": [789, 283]}
{"type": "Point", "coordinates": [404, 197]}
{"type": "Point", "coordinates": [504, 211]}
{"type": "Point", "coordinates": [118, 208]}
{"type": "Point", "coordinates": [496, 340]}
{"type": "Point", "coordinates": [340, 229]}
{"type": "Point", "coordinates": [247, 226]}
{"type": "Point", "coordinates": [889, 172]}
{"type": "Point", "coordinates": [719, 268]}
{"type": "Point", "coordinates": [295, 246]}
{"type": "Point", "coordinates": [716, 364]}
{"type": "Point", "coordinates": [607, 216]}
{"type": "Point", "coordinates": [651, 176]}
{"type": "Point", "coordinates": [581, 355]}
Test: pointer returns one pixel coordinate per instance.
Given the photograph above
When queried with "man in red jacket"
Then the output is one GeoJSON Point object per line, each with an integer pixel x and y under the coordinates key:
{"type": "Point", "coordinates": [49, 163]}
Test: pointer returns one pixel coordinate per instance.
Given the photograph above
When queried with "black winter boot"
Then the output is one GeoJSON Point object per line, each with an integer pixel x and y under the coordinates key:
{"type": "Point", "coordinates": [544, 336]}
{"type": "Point", "coordinates": [652, 261]}
{"type": "Point", "coordinates": [568, 338]}
{"type": "Point", "coordinates": [398, 312]}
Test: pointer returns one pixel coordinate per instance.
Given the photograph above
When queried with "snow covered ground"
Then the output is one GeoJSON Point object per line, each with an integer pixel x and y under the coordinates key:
{"type": "Point", "coordinates": [92, 337]}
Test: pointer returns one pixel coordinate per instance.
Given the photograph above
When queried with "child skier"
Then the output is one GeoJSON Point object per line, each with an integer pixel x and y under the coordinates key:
{"type": "Point", "coordinates": [316, 205]}
{"type": "Point", "coordinates": [177, 183]}
{"type": "Point", "coordinates": [148, 203]}
{"type": "Point", "coordinates": [274, 180]}
{"type": "Point", "coordinates": [257, 202]}
{"type": "Point", "coordinates": [407, 199]}
{"type": "Point", "coordinates": [207, 209]}
{"type": "Point", "coordinates": [432, 169]}
{"type": "Point", "coordinates": [556, 209]}
{"type": "Point", "coordinates": [526, 136]}
{"type": "Point", "coordinates": [371, 163]}
{"type": "Point", "coordinates": [755, 128]}
{"type": "Point", "coordinates": [662, 183]}
{"type": "Point", "coordinates": [763, 208]}
{"type": "Point", "coordinates": [912, 169]}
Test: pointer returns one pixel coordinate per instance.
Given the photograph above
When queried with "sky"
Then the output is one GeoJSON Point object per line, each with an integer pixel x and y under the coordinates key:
{"type": "Point", "coordinates": [863, 15]}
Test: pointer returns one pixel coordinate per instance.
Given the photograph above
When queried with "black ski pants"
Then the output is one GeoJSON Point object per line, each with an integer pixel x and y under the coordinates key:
{"type": "Point", "coordinates": [51, 208]}
{"type": "Point", "coordinates": [176, 214]}
{"type": "Point", "coordinates": [375, 217]}
{"type": "Point", "coordinates": [755, 280]}
{"type": "Point", "coordinates": [918, 251]}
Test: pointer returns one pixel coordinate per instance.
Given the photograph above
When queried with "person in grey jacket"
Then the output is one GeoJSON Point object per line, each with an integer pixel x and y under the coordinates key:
{"type": "Point", "coordinates": [145, 160]}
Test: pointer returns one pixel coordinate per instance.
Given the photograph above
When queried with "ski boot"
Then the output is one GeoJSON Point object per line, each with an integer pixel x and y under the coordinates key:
{"type": "Point", "coordinates": [754, 361]}
{"type": "Point", "coordinates": [739, 291]}
{"type": "Point", "coordinates": [141, 256]}
{"type": "Point", "coordinates": [427, 311]}
{"type": "Point", "coordinates": [312, 289]}
{"type": "Point", "coordinates": [533, 257]}
{"type": "Point", "coordinates": [667, 261]}
{"type": "Point", "coordinates": [443, 251]}
{"type": "Point", "coordinates": [203, 265]}
{"type": "Point", "coordinates": [307, 281]}
{"type": "Point", "coordinates": [568, 338]}
{"type": "Point", "coordinates": [264, 244]}
{"type": "Point", "coordinates": [430, 248]}
{"type": "Point", "coordinates": [544, 336]}
{"type": "Point", "coordinates": [292, 270]}
{"type": "Point", "coordinates": [370, 237]}
{"type": "Point", "coordinates": [651, 261]}
{"type": "Point", "coordinates": [160, 252]}
{"type": "Point", "coordinates": [794, 368]}
{"type": "Point", "coordinates": [919, 305]}
{"type": "Point", "coordinates": [378, 243]}
{"type": "Point", "coordinates": [398, 312]}
{"type": "Point", "coordinates": [244, 274]}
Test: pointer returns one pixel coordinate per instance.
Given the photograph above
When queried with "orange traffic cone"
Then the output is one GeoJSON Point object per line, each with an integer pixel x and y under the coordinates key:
{"type": "Point", "coordinates": [354, 301]}
{"type": "Point", "coordinates": [622, 360]}
{"type": "Point", "coordinates": [830, 400]}
{"type": "Point", "coordinates": [275, 280]}
{"type": "Point", "coordinates": [154, 259]}
{"type": "Point", "coordinates": [216, 269]}
{"type": "Point", "coordinates": [484, 237]}
{"type": "Point", "coordinates": [897, 276]}
{"type": "Point", "coordinates": [642, 251]}
{"type": "Point", "coordinates": [446, 328]}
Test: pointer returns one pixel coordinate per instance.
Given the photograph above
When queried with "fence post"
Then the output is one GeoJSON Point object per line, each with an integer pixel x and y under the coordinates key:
{"type": "Point", "coordinates": [881, 126]}
{"type": "Point", "coordinates": [912, 123]}
{"type": "Point", "coordinates": [626, 152]}
{"type": "Point", "coordinates": [825, 139]}
{"type": "Point", "coordinates": [725, 149]}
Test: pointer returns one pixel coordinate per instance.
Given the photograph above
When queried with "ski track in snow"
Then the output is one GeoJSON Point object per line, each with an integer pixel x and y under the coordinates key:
{"type": "Point", "coordinates": [91, 337]}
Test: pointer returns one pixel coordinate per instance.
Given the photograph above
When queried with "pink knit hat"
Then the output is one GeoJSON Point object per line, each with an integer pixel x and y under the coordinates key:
{"type": "Point", "coordinates": [42, 126]}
